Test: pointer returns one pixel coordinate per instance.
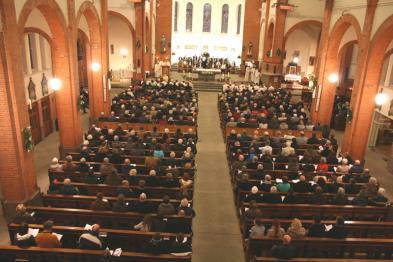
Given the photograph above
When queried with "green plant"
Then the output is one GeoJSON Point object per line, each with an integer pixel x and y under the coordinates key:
{"type": "Point", "coordinates": [28, 139]}
{"type": "Point", "coordinates": [349, 116]}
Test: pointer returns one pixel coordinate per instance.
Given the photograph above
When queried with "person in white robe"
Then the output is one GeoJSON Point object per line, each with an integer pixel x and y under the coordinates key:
{"type": "Point", "coordinates": [257, 77]}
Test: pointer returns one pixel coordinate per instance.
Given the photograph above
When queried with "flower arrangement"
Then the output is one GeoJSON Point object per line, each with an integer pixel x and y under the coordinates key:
{"type": "Point", "coordinates": [28, 139]}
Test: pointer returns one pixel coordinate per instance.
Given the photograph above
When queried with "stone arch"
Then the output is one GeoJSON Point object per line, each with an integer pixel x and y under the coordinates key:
{"type": "Point", "coordinates": [269, 38]}
{"type": "Point", "coordinates": [70, 130]}
{"type": "Point", "coordinates": [332, 65]}
{"type": "Point", "coordinates": [132, 30]}
{"type": "Point", "coordinates": [300, 25]}
{"type": "Point", "coordinates": [97, 55]}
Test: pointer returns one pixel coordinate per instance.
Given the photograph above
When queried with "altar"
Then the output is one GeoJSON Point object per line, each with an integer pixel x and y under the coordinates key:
{"type": "Point", "coordinates": [207, 74]}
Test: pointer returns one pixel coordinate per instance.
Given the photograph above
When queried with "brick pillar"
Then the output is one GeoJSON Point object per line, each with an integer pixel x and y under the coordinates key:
{"type": "Point", "coordinates": [66, 68]}
{"type": "Point", "coordinates": [139, 42]}
{"type": "Point", "coordinates": [147, 33]}
{"type": "Point", "coordinates": [105, 51]}
{"type": "Point", "coordinates": [321, 62]}
{"type": "Point", "coordinates": [164, 28]}
{"type": "Point", "coordinates": [17, 172]}
{"type": "Point", "coordinates": [252, 17]}
{"type": "Point", "coordinates": [272, 66]}
{"type": "Point", "coordinates": [362, 99]}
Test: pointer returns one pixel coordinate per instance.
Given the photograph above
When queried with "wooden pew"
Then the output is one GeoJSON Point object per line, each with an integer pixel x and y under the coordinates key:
{"type": "Point", "coordinates": [145, 126]}
{"type": "Point", "coordinates": [81, 217]}
{"type": "Point", "coordinates": [139, 160]}
{"type": "Point", "coordinates": [84, 202]}
{"type": "Point", "coordinates": [127, 240]}
{"type": "Point", "coordinates": [349, 212]}
{"type": "Point", "coordinates": [365, 229]}
{"type": "Point", "coordinates": [272, 132]}
{"type": "Point", "coordinates": [272, 259]}
{"type": "Point", "coordinates": [303, 197]}
{"type": "Point", "coordinates": [80, 177]}
{"type": "Point", "coordinates": [143, 169]}
{"type": "Point", "coordinates": [326, 247]}
{"type": "Point", "coordinates": [36, 254]}
{"type": "Point", "coordinates": [107, 190]}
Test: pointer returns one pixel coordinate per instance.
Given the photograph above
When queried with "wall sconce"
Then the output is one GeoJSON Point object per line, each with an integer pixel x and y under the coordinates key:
{"type": "Point", "coordinates": [333, 78]}
{"type": "Point", "coordinates": [95, 66]}
{"type": "Point", "coordinates": [380, 99]}
{"type": "Point", "coordinates": [55, 84]}
{"type": "Point", "coordinates": [124, 52]}
{"type": "Point", "coordinates": [295, 60]}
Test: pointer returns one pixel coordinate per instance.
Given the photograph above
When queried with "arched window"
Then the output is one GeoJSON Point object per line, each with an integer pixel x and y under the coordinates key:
{"type": "Point", "coordinates": [176, 14]}
{"type": "Point", "coordinates": [207, 14]}
{"type": "Point", "coordinates": [239, 18]}
{"type": "Point", "coordinates": [224, 19]}
{"type": "Point", "coordinates": [189, 17]}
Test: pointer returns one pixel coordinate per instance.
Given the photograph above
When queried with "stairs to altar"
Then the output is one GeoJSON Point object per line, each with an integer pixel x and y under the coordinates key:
{"type": "Point", "coordinates": [204, 86]}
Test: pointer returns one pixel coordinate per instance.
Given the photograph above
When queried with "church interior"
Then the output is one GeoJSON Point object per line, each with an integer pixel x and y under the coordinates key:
{"type": "Point", "coordinates": [196, 130]}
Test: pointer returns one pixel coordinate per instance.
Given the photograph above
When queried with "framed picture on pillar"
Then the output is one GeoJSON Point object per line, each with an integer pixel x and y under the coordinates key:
{"type": "Point", "coordinates": [311, 60]}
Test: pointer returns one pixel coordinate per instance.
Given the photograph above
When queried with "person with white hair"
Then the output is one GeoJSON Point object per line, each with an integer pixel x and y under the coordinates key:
{"type": "Point", "coordinates": [55, 166]}
{"type": "Point", "coordinates": [381, 198]}
{"type": "Point", "coordinates": [273, 197]}
{"type": "Point", "coordinates": [186, 207]}
{"type": "Point", "coordinates": [343, 167]}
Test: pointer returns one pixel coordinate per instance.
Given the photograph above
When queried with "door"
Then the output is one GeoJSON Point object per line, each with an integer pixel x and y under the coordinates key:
{"type": "Point", "coordinates": [46, 116]}
{"type": "Point", "coordinates": [35, 123]}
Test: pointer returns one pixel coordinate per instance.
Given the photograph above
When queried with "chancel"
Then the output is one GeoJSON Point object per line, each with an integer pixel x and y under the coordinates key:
{"type": "Point", "coordinates": [196, 130]}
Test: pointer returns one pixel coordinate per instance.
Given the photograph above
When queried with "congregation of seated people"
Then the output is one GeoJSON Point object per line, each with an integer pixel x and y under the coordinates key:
{"type": "Point", "coordinates": [263, 107]}
{"type": "Point", "coordinates": [278, 158]}
{"type": "Point", "coordinates": [155, 102]}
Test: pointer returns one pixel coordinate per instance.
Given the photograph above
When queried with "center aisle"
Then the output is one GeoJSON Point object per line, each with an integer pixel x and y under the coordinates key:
{"type": "Point", "coordinates": [216, 228]}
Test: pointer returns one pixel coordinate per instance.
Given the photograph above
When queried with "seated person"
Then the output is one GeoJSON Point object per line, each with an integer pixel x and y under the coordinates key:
{"type": "Point", "coordinates": [284, 186]}
{"type": "Point", "coordinates": [145, 225]}
{"type": "Point", "coordinates": [340, 198]}
{"type": "Point", "coordinates": [68, 166]}
{"type": "Point", "coordinates": [296, 230]}
{"type": "Point", "coordinates": [46, 239]}
{"type": "Point", "coordinates": [180, 245]}
{"type": "Point", "coordinates": [91, 239]}
{"type": "Point", "coordinates": [91, 178]}
{"type": "Point", "coordinates": [338, 230]}
{"type": "Point", "coordinates": [22, 215]}
{"type": "Point", "coordinates": [120, 205]}
{"type": "Point", "coordinates": [317, 229]}
{"type": "Point", "coordinates": [141, 205]}
{"type": "Point", "coordinates": [68, 189]}
{"type": "Point", "coordinates": [166, 208]}
{"type": "Point", "coordinates": [100, 204]}
{"type": "Point", "coordinates": [188, 210]}
{"type": "Point", "coordinates": [273, 197]}
{"type": "Point", "coordinates": [284, 251]}
{"type": "Point", "coordinates": [23, 238]}
{"type": "Point", "coordinates": [125, 189]}
{"type": "Point", "coordinates": [258, 229]}
{"type": "Point", "coordinates": [83, 167]}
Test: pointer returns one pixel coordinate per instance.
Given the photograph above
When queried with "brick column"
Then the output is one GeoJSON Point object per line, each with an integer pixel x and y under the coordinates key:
{"type": "Point", "coordinates": [252, 17]}
{"type": "Point", "coordinates": [66, 67]}
{"type": "Point", "coordinates": [164, 28]}
{"type": "Point", "coordinates": [139, 42]}
{"type": "Point", "coordinates": [362, 99]}
{"type": "Point", "coordinates": [105, 52]}
{"type": "Point", "coordinates": [17, 172]}
{"type": "Point", "coordinates": [272, 66]}
{"type": "Point", "coordinates": [319, 68]}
